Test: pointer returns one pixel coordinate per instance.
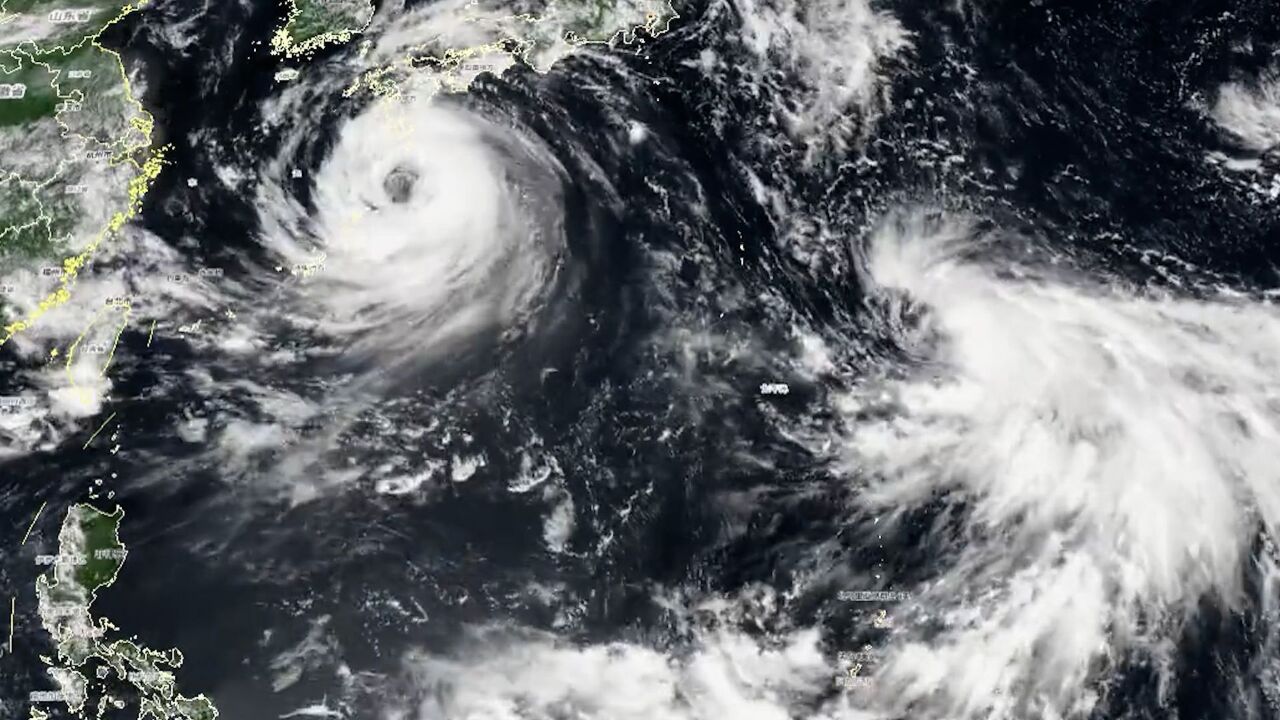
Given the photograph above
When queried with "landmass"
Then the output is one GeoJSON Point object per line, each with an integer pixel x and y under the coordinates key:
{"type": "Point", "coordinates": [77, 158]}
{"type": "Point", "coordinates": [312, 24]}
{"type": "Point", "coordinates": [466, 38]}
{"type": "Point", "coordinates": [76, 154]}
{"type": "Point", "coordinates": [94, 669]}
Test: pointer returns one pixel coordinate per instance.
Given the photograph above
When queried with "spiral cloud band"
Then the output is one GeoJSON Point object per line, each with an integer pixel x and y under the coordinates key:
{"type": "Point", "coordinates": [429, 225]}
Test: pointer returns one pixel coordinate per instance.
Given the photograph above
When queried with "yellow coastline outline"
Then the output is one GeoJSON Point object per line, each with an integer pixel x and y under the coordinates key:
{"type": "Point", "coordinates": [138, 186]}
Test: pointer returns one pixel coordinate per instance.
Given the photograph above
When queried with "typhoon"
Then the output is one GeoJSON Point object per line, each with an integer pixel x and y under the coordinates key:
{"type": "Point", "coordinates": [430, 226]}
{"type": "Point", "coordinates": [759, 359]}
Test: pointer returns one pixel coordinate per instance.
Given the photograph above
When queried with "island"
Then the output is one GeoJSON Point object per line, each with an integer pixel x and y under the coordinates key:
{"type": "Point", "coordinates": [93, 668]}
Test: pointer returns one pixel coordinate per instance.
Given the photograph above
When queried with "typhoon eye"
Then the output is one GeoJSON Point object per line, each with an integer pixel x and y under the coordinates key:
{"type": "Point", "coordinates": [426, 217]}
{"type": "Point", "coordinates": [400, 183]}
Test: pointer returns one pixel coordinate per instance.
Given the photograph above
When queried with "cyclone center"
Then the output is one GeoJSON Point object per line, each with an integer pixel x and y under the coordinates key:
{"type": "Point", "coordinates": [400, 183]}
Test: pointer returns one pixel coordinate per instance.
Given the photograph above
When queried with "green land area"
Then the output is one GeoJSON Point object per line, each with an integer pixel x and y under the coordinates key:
{"type": "Point", "coordinates": [94, 670]}
{"type": "Point", "coordinates": [104, 553]}
{"type": "Point", "coordinates": [69, 127]}
{"type": "Point", "coordinates": [24, 6]}
{"type": "Point", "coordinates": [312, 24]}
{"type": "Point", "coordinates": [53, 23]}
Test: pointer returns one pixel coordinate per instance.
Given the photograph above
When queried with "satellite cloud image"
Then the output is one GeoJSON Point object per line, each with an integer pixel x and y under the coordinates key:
{"type": "Point", "coordinates": [640, 359]}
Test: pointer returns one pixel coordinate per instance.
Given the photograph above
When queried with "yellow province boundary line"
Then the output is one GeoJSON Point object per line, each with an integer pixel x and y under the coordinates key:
{"type": "Point", "coordinates": [138, 187]}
